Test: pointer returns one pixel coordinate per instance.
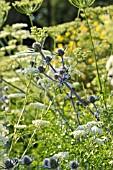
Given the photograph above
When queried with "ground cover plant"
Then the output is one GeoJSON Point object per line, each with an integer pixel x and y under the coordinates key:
{"type": "Point", "coordinates": [56, 97]}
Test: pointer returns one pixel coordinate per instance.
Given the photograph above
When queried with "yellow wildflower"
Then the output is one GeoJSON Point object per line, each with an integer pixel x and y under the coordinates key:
{"type": "Point", "coordinates": [60, 45]}
{"type": "Point", "coordinates": [101, 16]}
{"type": "Point", "coordinates": [81, 27]}
{"type": "Point", "coordinates": [67, 34]}
{"type": "Point", "coordinates": [104, 42]}
{"type": "Point", "coordinates": [71, 43]}
{"type": "Point", "coordinates": [95, 23]}
{"type": "Point", "coordinates": [102, 35]}
{"type": "Point", "coordinates": [91, 16]}
{"type": "Point", "coordinates": [60, 38]}
{"type": "Point", "coordinates": [83, 76]}
{"type": "Point", "coordinates": [78, 43]}
{"type": "Point", "coordinates": [90, 60]}
{"type": "Point", "coordinates": [72, 36]}
{"type": "Point", "coordinates": [85, 30]}
{"type": "Point", "coordinates": [97, 28]}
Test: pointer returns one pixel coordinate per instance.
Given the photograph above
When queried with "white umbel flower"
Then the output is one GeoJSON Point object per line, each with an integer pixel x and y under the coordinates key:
{"type": "Point", "coordinates": [20, 126]}
{"type": "Point", "coordinates": [16, 95]}
{"type": "Point", "coordinates": [3, 133]}
{"type": "Point", "coordinates": [30, 70]}
{"type": "Point", "coordinates": [109, 63]}
{"type": "Point", "coordinates": [19, 25]}
{"type": "Point", "coordinates": [78, 133]}
{"type": "Point", "coordinates": [40, 122]}
{"type": "Point", "coordinates": [38, 105]}
{"type": "Point", "coordinates": [61, 155]}
{"type": "Point", "coordinates": [95, 130]}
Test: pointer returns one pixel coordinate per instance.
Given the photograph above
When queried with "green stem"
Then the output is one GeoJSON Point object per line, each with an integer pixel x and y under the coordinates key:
{"type": "Point", "coordinates": [13, 85]}
{"type": "Point", "coordinates": [94, 53]}
{"type": "Point", "coordinates": [30, 21]}
{"type": "Point", "coordinates": [29, 143]}
{"type": "Point", "coordinates": [23, 109]}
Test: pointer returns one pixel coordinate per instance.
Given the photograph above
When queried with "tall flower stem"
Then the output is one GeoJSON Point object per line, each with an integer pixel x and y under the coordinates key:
{"type": "Point", "coordinates": [22, 111]}
{"type": "Point", "coordinates": [94, 53]}
{"type": "Point", "coordinates": [30, 20]}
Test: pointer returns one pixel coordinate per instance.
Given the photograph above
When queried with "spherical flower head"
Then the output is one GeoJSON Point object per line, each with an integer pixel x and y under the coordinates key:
{"type": "Point", "coordinates": [8, 164]}
{"type": "Point", "coordinates": [50, 163]}
{"type": "Point", "coordinates": [26, 160]}
{"type": "Point", "coordinates": [6, 88]}
{"type": "Point", "coordinates": [48, 58]}
{"type": "Point", "coordinates": [60, 52]}
{"type": "Point", "coordinates": [46, 162]}
{"type": "Point", "coordinates": [78, 103]}
{"type": "Point", "coordinates": [56, 75]}
{"type": "Point", "coordinates": [33, 63]}
{"type": "Point", "coordinates": [62, 71]}
{"type": "Point", "coordinates": [73, 165]}
{"type": "Point", "coordinates": [37, 46]}
{"type": "Point", "coordinates": [53, 163]}
{"type": "Point", "coordinates": [92, 99]}
{"type": "Point", "coordinates": [15, 161]}
{"type": "Point", "coordinates": [41, 69]}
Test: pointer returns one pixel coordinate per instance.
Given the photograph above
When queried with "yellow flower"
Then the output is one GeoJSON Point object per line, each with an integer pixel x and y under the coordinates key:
{"type": "Point", "coordinates": [95, 23]}
{"type": "Point", "coordinates": [72, 36]}
{"type": "Point", "coordinates": [60, 38]}
{"type": "Point", "coordinates": [90, 60]}
{"type": "Point", "coordinates": [85, 30]}
{"type": "Point", "coordinates": [78, 43]}
{"type": "Point", "coordinates": [101, 16]}
{"type": "Point", "coordinates": [98, 28]}
{"type": "Point", "coordinates": [81, 27]}
{"type": "Point", "coordinates": [67, 34]}
{"type": "Point", "coordinates": [91, 16]}
{"type": "Point", "coordinates": [83, 76]}
{"type": "Point", "coordinates": [60, 45]}
{"type": "Point", "coordinates": [102, 35]}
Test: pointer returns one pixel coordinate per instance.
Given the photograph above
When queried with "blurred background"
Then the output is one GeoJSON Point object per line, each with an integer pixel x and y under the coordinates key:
{"type": "Point", "coordinates": [52, 12]}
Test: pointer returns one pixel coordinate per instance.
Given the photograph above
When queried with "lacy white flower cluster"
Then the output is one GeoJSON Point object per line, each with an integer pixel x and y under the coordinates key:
{"type": "Point", "coordinates": [109, 68]}
{"type": "Point", "coordinates": [40, 122]}
{"type": "Point", "coordinates": [16, 95]}
{"type": "Point", "coordinates": [3, 133]}
{"type": "Point", "coordinates": [89, 128]}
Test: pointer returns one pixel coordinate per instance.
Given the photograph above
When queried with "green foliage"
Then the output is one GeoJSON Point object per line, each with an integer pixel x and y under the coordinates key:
{"type": "Point", "coordinates": [51, 103]}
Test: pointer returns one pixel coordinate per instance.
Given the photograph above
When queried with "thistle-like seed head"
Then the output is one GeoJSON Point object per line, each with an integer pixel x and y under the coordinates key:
{"type": "Point", "coordinates": [8, 164]}
{"type": "Point", "coordinates": [48, 58]}
{"type": "Point", "coordinates": [56, 75]}
{"type": "Point", "coordinates": [74, 165]}
{"type": "Point", "coordinates": [53, 163]}
{"type": "Point", "coordinates": [60, 52]}
{"type": "Point", "coordinates": [41, 69]}
{"type": "Point", "coordinates": [26, 160]}
{"type": "Point", "coordinates": [92, 99]}
{"type": "Point", "coordinates": [37, 46]}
